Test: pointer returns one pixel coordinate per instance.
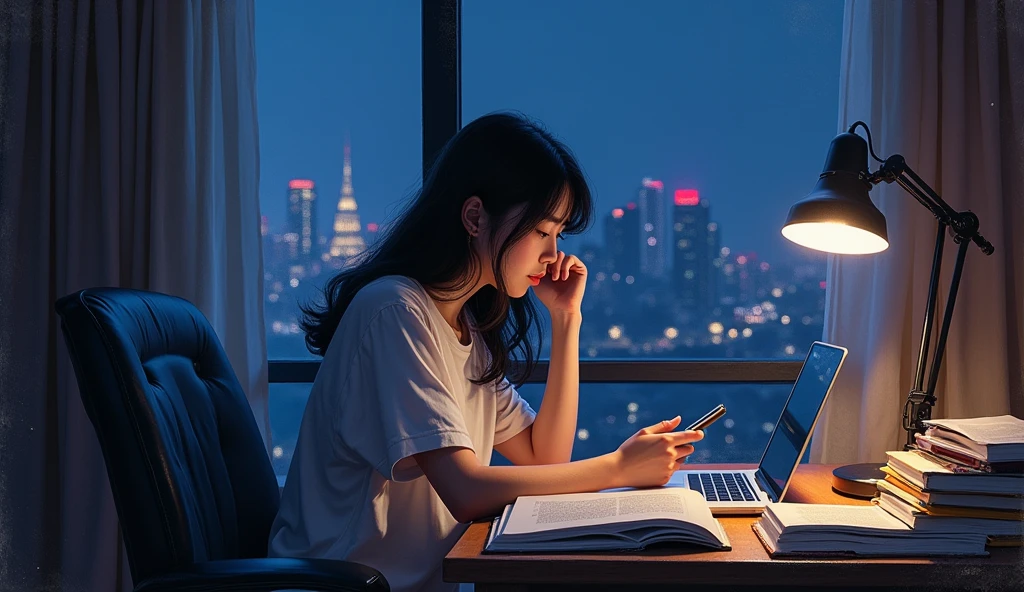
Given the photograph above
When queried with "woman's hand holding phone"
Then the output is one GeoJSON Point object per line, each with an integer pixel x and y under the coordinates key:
{"type": "Point", "coordinates": [650, 456]}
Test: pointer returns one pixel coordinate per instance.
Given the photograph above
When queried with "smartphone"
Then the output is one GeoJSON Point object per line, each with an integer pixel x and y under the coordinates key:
{"type": "Point", "coordinates": [709, 418]}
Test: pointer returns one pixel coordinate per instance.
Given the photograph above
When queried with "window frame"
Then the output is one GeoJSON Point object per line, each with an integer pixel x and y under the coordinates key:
{"type": "Point", "coordinates": [614, 371]}
{"type": "Point", "coordinates": [441, 79]}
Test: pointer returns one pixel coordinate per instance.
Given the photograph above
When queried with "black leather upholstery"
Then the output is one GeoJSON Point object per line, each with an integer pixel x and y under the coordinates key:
{"type": "Point", "coordinates": [193, 485]}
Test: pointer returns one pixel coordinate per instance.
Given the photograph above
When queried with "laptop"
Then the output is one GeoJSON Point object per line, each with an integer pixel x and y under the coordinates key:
{"type": "Point", "coordinates": [749, 491]}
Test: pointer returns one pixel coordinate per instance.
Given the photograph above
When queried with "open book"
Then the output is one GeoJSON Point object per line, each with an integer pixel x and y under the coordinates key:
{"type": "Point", "coordinates": [792, 529]}
{"type": "Point", "coordinates": [606, 521]}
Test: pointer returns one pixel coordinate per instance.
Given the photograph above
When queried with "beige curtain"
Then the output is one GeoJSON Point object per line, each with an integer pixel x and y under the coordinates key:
{"type": "Point", "coordinates": [129, 158]}
{"type": "Point", "coordinates": [940, 83]}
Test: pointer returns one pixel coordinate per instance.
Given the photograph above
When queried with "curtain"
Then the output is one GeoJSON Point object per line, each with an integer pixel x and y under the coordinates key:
{"type": "Point", "coordinates": [940, 83]}
{"type": "Point", "coordinates": [129, 158]}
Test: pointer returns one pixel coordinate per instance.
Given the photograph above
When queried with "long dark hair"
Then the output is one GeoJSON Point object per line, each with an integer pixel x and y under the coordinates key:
{"type": "Point", "coordinates": [506, 160]}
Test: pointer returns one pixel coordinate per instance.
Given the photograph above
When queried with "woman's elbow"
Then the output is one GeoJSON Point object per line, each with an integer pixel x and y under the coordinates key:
{"type": "Point", "coordinates": [454, 477]}
{"type": "Point", "coordinates": [463, 506]}
{"type": "Point", "coordinates": [463, 515]}
{"type": "Point", "coordinates": [470, 500]}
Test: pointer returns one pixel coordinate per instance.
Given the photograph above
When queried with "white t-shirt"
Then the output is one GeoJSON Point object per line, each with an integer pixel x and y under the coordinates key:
{"type": "Point", "coordinates": [394, 382]}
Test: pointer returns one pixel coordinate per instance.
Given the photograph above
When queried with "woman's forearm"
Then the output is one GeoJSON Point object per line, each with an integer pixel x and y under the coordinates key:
{"type": "Point", "coordinates": [490, 489]}
{"type": "Point", "coordinates": [554, 429]}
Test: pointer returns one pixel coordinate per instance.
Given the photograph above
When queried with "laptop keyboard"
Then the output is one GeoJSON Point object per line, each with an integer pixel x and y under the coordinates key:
{"type": "Point", "coordinates": [723, 487]}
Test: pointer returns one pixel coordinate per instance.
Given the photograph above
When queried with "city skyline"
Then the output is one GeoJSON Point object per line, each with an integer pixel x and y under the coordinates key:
{"type": "Point", "coordinates": [660, 253]}
{"type": "Point", "coordinates": [645, 225]}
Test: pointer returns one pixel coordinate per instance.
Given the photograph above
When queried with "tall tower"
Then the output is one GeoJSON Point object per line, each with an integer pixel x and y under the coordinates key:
{"type": "Point", "coordinates": [653, 252]}
{"type": "Point", "coordinates": [348, 238]}
{"type": "Point", "coordinates": [301, 224]}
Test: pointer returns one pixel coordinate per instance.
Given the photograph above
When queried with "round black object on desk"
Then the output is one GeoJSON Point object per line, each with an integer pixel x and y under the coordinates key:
{"type": "Point", "coordinates": [859, 480]}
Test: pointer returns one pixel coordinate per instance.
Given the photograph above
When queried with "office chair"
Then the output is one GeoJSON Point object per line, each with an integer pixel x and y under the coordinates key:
{"type": "Point", "coordinates": [192, 482]}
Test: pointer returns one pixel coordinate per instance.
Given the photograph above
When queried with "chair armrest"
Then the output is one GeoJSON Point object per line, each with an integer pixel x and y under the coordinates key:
{"type": "Point", "coordinates": [269, 574]}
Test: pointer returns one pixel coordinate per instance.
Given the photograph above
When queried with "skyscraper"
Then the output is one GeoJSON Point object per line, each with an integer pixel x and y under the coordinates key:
{"type": "Point", "coordinates": [622, 237]}
{"type": "Point", "coordinates": [348, 238]}
{"type": "Point", "coordinates": [695, 241]}
{"type": "Point", "coordinates": [301, 223]}
{"type": "Point", "coordinates": [653, 248]}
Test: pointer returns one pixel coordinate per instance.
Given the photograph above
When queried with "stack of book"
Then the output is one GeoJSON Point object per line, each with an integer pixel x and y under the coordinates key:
{"type": "Point", "coordinates": [965, 474]}
{"type": "Point", "coordinates": [959, 490]}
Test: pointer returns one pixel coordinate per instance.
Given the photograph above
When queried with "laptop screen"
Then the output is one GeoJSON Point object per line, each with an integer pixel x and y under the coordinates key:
{"type": "Point", "coordinates": [792, 432]}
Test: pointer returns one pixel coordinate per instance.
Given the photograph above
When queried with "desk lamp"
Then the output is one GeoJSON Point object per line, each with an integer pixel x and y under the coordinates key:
{"type": "Point", "coordinates": [838, 217]}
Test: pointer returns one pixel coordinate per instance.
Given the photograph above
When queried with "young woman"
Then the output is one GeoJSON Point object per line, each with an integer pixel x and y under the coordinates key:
{"type": "Point", "coordinates": [393, 455]}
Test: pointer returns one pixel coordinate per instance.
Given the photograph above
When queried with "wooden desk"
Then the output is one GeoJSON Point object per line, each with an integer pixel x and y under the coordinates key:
{"type": "Point", "coordinates": [746, 567]}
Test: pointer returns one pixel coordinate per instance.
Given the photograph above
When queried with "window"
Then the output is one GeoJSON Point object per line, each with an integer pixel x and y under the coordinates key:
{"type": "Point", "coordinates": [340, 141]}
{"type": "Point", "coordinates": [699, 124]}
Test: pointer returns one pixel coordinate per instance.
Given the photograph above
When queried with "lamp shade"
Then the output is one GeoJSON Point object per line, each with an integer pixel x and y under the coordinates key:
{"type": "Point", "coordinates": [837, 216]}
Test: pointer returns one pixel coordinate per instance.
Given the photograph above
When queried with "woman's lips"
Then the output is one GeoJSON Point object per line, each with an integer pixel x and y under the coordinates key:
{"type": "Point", "coordinates": [535, 279]}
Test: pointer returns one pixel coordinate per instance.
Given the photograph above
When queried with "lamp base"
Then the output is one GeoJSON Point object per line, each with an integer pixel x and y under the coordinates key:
{"type": "Point", "coordinates": [859, 480]}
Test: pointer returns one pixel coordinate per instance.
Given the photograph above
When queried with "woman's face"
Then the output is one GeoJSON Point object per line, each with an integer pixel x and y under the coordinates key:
{"type": "Point", "coordinates": [527, 260]}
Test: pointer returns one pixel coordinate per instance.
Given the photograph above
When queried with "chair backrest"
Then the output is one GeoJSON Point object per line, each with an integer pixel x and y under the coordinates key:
{"type": "Point", "coordinates": [190, 475]}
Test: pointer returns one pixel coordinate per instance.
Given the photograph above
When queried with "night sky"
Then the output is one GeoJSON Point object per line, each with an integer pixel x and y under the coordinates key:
{"type": "Point", "coordinates": [738, 99]}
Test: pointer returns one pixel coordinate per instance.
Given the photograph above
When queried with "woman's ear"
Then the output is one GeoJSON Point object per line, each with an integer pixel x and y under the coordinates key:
{"type": "Point", "coordinates": [473, 215]}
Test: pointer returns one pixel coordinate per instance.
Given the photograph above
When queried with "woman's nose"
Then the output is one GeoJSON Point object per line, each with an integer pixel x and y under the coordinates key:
{"type": "Point", "coordinates": [550, 254]}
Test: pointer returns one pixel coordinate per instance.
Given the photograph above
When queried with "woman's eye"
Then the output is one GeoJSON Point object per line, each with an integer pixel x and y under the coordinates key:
{"type": "Point", "coordinates": [543, 234]}
{"type": "Point", "coordinates": [561, 236]}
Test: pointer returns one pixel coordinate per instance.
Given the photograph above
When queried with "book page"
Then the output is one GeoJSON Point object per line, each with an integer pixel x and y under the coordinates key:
{"type": "Point", "coordinates": [795, 514]}
{"type": "Point", "coordinates": [1001, 429]}
{"type": "Point", "coordinates": [554, 512]}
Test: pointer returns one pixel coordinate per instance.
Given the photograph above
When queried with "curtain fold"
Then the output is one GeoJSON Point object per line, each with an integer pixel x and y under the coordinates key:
{"type": "Point", "coordinates": [939, 83]}
{"type": "Point", "coordinates": [130, 158]}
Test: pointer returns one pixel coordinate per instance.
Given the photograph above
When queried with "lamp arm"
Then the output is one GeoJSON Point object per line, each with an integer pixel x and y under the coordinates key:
{"type": "Point", "coordinates": [962, 225]}
{"type": "Point", "coordinates": [964, 228]}
{"type": "Point", "coordinates": [948, 214]}
{"type": "Point", "coordinates": [920, 400]}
